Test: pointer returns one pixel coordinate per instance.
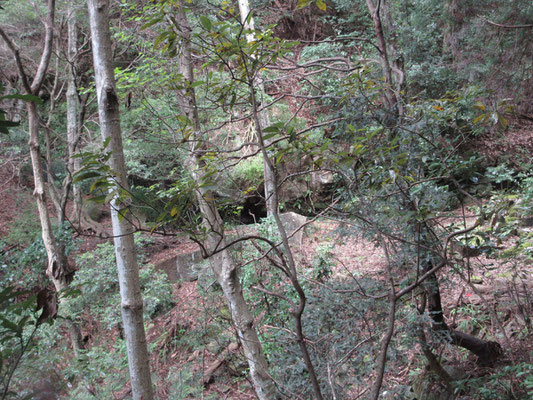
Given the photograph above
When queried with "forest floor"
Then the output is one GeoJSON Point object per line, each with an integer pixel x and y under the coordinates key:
{"type": "Point", "coordinates": [496, 291]}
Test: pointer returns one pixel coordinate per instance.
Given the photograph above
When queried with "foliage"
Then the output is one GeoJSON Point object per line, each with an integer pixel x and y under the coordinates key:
{"type": "Point", "coordinates": [99, 372]}
{"type": "Point", "coordinates": [527, 193]}
{"type": "Point", "coordinates": [97, 279]}
{"type": "Point", "coordinates": [17, 330]}
{"type": "Point", "coordinates": [397, 176]}
{"type": "Point", "coordinates": [5, 124]}
{"type": "Point", "coordinates": [248, 172]}
{"type": "Point", "coordinates": [186, 383]}
{"type": "Point", "coordinates": [25, 263]}
{"type": "Point", "coordinates": [511, 381]}
{"type": "Point", "coordinates": [500, 174]}
{"type": "Point", "coordinates": [323, 263]}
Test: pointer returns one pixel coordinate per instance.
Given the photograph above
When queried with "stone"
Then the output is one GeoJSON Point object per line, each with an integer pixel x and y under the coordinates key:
{"type": "Point", "coordinates": [185, 267]}
{"type": "Point", "coordinates": [293, 223]}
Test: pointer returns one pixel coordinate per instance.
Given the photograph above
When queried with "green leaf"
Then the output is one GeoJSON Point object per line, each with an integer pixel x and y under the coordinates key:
{"type": "Point", "coordinates": [249, 19]}
{"type": "Point", "coordinates": [195, 84]}
{"type": "Point", "coordinates": [153, 21]}
{"type": "Point", "coordinates": [25, 97]}
{"type": "Point", "coordinates": [106, 142]}
{"type": "Point", "coordinates": [479, 118]}
{"type": "Point", "coordinates": [273, 128]}
{"type": "Point", "coordinates": [321, 4]}
{"type": "Point", "coordinates": [7, 324]}
{"type": "Point", "coordinates": [206, 22]}
{"type": "Point", "coordinates": [269, 136]}
{"type": "Point", "coordinates": [99, 199]}
{"type": "Point", "coordinates": [86, 175]}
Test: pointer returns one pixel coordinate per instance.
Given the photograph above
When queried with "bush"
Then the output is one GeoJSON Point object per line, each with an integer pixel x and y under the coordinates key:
{"type": "Point", "coordinates": [98, 282]}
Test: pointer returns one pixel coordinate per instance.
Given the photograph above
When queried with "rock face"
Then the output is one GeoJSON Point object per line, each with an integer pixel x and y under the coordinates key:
{"type": "Point", "coordinates": [187, 266]}
{"type": "Point", "coordinates": [183, 267]}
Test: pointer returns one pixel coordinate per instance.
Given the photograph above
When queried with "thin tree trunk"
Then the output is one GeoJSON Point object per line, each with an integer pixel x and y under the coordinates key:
{"type": "Point", "coordinates": [222, 262]}
{"type": "Point", "coordinates": [58, 269]}
{"type": "Point", "coordinates": [125, 252]}
{"type": "Point", "coordinates": [73, 108]}
{"type": "Point", "coordinates": [391, 320]}
{"type": "Point", "coordinates": [389, 98]}
{"type": "Point", "coordinates": [298, 311]}
{"type": "Point", "coordinates": [263, 119]}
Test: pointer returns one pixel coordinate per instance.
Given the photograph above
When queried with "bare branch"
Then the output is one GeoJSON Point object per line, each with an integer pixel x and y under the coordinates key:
{"type": "Point", "coordinates": [47, 52]}
{"type": "Point", "coordinates": [504, 26]}
{"type": "Point", "coordinates": [14, 49]}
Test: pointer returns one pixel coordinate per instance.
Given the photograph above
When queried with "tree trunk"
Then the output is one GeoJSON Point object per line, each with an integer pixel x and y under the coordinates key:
{"type": "Point", "coordinates": [125, 252]}
{"type": "Point", "coordinates": [73, 109]}
{"type": "Point", "coordinates": [58, 269]}
{"type": "Point", "coordinates": [298, 310]}
{"type": "Point", "coordinates": [486, 351]}
{"type": "Point", "coordinates": [389, 97]}
{"type": "Point", "coordinates": [222, 262]}
{"type": "Point", "coordinates": [264, 120]}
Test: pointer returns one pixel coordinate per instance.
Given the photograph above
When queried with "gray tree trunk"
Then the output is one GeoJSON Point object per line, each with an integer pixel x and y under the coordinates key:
{"type": "Point", "coordinates": [264, 120]}
{"type": "Point", "coordinates": [73, 106]}
{"type": "Point", "coordinates": [126, 256]}
{"type": "Point", "coordinates": [222, 262]}
{"type": "Point", "coordinates": [58, 269]}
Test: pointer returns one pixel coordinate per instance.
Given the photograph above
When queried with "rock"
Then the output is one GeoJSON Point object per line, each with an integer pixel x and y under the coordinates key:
{"type": "Point", "coordinates": [185, 267]}
{"type": "Point", "coordinates": [403, 392]}
{"type": "Point", "coordinates": [44, 390]}
{"type": "Point", "coordinates": [427, 386]}
{"type": "Point", "coordinates": [188, 266]}
{"type": "Point", "coordinates": [290, 220]}
{"type": "Point", "coordinates": [94, 210]}
{"type": "Point", "coordinates": [293, 224]}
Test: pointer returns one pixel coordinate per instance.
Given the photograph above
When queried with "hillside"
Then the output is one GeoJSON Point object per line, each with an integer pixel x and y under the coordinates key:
{"type": "Point", "coordinates": [263, 199]}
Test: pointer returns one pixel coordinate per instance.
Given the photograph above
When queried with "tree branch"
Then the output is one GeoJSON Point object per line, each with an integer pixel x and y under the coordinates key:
{"type": "Point", "coordinates": [504, 26]}
{"type": "Point", "coordinates": [47, 52]}
{"type": "Point", "coordinates": [18, 61]}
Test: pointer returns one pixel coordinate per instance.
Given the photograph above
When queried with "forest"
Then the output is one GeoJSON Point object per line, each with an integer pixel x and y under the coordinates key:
{"type": "Point", "coordinates": [266, 199]}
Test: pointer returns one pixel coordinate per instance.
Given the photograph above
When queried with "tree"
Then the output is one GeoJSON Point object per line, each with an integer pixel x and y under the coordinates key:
{"type": "Point", "coordinates": [263, 120]}
{"type": "Point", "coordinates": [58, 269]}
{"type": "Point", "coordinates": [128, 271]}
{"type": "Point", "coordinates": [215, 244]}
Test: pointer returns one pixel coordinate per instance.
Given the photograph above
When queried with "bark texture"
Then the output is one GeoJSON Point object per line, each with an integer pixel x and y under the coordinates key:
{"type": "Point", "coordinates": [393, 72]}
{"type": "Point", "coordinates": [73, 107]}
{"type": "Point", "coordinates": [128, 271]}
{"type": "Point", "coordinates": [222, 262]}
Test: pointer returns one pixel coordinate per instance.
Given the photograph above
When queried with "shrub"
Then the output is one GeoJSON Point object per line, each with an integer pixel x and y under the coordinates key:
{"type": "Point", "coordinates": [98, 282]}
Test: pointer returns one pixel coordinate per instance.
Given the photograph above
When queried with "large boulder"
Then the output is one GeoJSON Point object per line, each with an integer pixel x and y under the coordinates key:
{"type": "Point", "coordinates": [184, 267]}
